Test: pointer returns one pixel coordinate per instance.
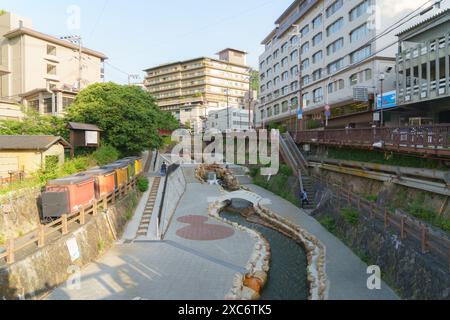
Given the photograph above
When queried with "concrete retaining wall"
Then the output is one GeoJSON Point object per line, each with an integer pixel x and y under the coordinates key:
{"type": "Point", "coordinates": [176, 186]}
{"type": "Point", "coordinates": [51, 266]}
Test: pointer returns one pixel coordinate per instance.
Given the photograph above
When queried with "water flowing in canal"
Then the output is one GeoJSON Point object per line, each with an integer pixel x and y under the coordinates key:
{"type": "Point", "coordinates": [287, 275]}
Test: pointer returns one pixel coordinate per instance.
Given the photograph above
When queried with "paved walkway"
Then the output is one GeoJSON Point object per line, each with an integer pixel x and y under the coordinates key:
{"type": "Point", "coordinates": [346, 272]}
{"type": "Point", "coordinates": [197, 259]}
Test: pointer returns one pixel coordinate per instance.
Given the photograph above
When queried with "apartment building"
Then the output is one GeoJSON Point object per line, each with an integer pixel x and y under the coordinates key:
{"type": "Point", "coordinates": [40, 71]}
{"type": "Point", "coordinates": [320, 54]}
{"type": "Point", "coordinates": [192, 89]}
{"type": "Point", "coordinates": [423, 73]}
{"type": "Point", "coordinates": [232, 119]}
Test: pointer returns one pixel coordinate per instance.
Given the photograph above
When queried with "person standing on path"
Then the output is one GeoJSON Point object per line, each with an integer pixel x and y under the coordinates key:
{"type": "Point", "coordinates": [304, 198]}
{"type": "Point", "coordinates": [163, 169]}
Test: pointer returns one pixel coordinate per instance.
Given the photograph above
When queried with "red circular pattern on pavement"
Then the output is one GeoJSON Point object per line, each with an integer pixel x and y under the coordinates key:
{"type": "Point", "coordinates": [199, 230]}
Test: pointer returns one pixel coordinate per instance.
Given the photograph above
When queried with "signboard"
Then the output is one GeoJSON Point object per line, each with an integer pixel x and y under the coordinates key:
{"type": "Point", "coordinates": [74, 251]}
{"type": "Point", "coordinates": [361, 94]}
{"type": "Point", "coordinates": [91, 138]}
{"type": "Point", "coordinates": [376, 117]}
{"type": "Point", "coordinates": [299, 114]}
{"type": "Point", "coordinates": [389, 100]}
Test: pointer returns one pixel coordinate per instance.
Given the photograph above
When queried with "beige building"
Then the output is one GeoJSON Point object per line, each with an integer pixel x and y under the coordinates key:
{"type": "Point", "coordinates": [40, 71]}
{"type": "Point", "coordinates": [192, 89]}
{"type": "Point", "coordinates": [28, 154]}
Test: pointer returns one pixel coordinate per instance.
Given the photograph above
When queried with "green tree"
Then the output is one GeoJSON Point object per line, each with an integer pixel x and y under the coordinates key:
{"type": "Point", "coordinates": [254, 80]}
{"type": "Point", "coordinates": [128, 115]}
{"type": "Point", "coordinates": [34, 124]}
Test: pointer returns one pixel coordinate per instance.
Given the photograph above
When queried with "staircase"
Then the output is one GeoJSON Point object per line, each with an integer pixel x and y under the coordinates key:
{"type": "Point", "coordinates": [299, 165]}
{"type": "Point", "coordinates": [147, 216]}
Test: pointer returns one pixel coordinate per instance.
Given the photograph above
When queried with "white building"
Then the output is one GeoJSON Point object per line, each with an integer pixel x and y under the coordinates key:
{"type": "Point", "coordinates": [340, 45]}
{"type": "Point", "coordinates": [233, 119]}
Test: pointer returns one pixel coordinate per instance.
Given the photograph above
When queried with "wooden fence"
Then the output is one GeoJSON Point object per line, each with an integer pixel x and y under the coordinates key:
{"type": "Point", "coordinates": [431, 241]}
{"type": "Point", "coordinates": [42, 235]}
{"type": "Point", "coordinates": [13, 177]}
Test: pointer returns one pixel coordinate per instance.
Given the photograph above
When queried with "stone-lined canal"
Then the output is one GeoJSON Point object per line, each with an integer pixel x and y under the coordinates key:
{"type": "Point", "coordinates": [287, 274]}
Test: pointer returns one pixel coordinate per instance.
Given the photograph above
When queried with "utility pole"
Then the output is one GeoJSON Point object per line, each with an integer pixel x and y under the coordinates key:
{"type": "Point", "coordinates": [382, 78]}
{"type": "Point", "coordinates": [76, 39]}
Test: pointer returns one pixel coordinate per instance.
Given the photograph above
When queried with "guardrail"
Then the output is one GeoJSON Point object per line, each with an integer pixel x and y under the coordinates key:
{"type": "Point", "coordinates": [420, 140]}
{"type": "Point", "coordinates": [430, 240]}
{"type": "Point", "coordinates": [42, 234]}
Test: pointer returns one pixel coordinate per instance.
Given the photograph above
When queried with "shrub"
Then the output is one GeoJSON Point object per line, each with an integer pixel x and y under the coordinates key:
{"type": "Point", "coordinates": [253, 172]}
{"type": "Point", "coordinates": [328, 223]}
{"type": "Point", "coordinates": [285, 170]}
{"type": "Point", "coordinates": [143, 184]}
{"type": "Point", "coordinates": [350, 215]}
{"type": "Point", "coordinates": [129, 215]}
{"type": "Point", "coordinates": [105, 155]}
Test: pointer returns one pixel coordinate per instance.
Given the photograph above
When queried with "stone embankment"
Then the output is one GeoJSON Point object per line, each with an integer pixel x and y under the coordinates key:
{"type": "Point", "coordinates": [249, 286]}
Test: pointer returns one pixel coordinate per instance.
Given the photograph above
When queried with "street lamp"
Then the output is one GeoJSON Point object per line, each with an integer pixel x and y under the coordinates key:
{"type": "Point", "coordinates": [381, 77]}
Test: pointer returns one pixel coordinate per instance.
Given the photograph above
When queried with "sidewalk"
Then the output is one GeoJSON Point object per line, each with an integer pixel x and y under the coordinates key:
{"type": "Point", "coordinates": [346, 272]}
{"type": "Point", "coordinates": [196, 261]}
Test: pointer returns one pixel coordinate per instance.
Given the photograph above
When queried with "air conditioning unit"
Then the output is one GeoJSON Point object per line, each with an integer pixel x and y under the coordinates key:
{"type": "Point", "coordinates": [423, 95]}
{"type": "Point", "coordinates": [407, 98]}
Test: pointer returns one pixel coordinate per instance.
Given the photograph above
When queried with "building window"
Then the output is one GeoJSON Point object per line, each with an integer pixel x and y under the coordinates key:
{"type": "Point", "coordinates": [285, 76]}
{"type": "Point", "coordinates": [305, 48]}
{"type": "Point", "coordinates": [294, 56]}
{"type": "Point", "coordinates": [284, 90]}
{"type": "Point", "coordinates": [284, 106]}
{"type": "Point", "coordinates": [294, 86]}
{"type": "Point", "coordinates": [361, 54]}
{"type": "Point", "coordinates": [335, 46]}
{"type": "Point", "coordinates": [335, 27]}
{"type": "Point", "coordinates": [284, 47]}
{"type": "Point", "coordinates": [51, 69]}
{"type": "Point", "coordinates": [294, 102]}
{"type": "Point", "coordinates": [368, 74]}
{"type": "Point", "coordinates": [51, 50]}
{"type": "Point", "coordinates": [294, 40]}
{"type": "Point", "coordinates": [354, 79]}
{"type": "Point", "coordinates": [317, 39]}
{"type": "Point", "coordinates": [276, 109]}
{"type": "Point", "coordinates": [359, 10]}
{"type": "Point", "coordinates": [317, 57]}
{"type": "Point", "coordinates": [306, 80]}
{"type": "Point", "coordinates": [269, 112]}
{"type": "Point", "coordinates": [34, 105]}
{"type": "Point", "coordinates": [275, 54]}
{"type": "Point", "coordinates": [66, 102]}
{"type": "Point", "coordinates": [48, 105]}
{"type": "Point", "coordinates": [318, 95]}
{"type": "Point", "coordinates": [305, 99]}
{"type": "Point", "coordinates": [317, 75]}
{"type": "Point", "coordinates": [334, 7]}
{"type": "Point", "coordinates": [294, 71]}
{"type": "Point", "coordinates": [359, 33]}
{"type": "Point", "coordinates": [305, 64]}
{"type": "Point", "coordinates": [284, 62]}
{"type": "Point", "coordinates": [335, 66]}
{"type": "Point", "coordinates": [336, 86]}
{"type": "Point", "coordinates": [276, 80]}
{"type": "Point", "coordinates": [317, 21]}
{"type": "Point", "coordinates": [262, 114]}
{"type": "Point", "coordinates": [276, 68]}
{"type": "Point", "coordinates": [305, 30]}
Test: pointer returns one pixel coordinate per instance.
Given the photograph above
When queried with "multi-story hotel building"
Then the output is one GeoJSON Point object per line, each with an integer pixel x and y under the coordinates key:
{"type": "Point", "coordinates": [40, 71]}
{"type": "Point", "coordinates": [192, 89]}
{"type": "Point", "coordinates": [340, 45]}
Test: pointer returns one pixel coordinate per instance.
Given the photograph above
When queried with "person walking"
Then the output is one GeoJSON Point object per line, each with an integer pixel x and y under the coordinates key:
{"type": "Point", "coordinates": [304, 197]}
{"type": "Point", "coordinates": [163, 169]}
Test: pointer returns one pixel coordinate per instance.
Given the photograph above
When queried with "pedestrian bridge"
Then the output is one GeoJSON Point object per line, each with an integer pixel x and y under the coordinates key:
{"type": "Point", "coordinates": [251, 197]}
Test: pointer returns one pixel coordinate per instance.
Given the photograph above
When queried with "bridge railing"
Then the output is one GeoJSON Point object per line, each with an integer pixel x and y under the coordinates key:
{"type": "Point", "coordinates": [436, 137]}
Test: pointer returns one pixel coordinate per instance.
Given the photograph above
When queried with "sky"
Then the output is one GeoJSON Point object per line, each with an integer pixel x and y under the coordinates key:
{"type": "Point", "coordinates": [138, 34]}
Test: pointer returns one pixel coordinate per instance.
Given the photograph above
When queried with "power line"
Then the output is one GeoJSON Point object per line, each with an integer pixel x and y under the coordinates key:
{"type": "Point", "coordinates": [100, 16]}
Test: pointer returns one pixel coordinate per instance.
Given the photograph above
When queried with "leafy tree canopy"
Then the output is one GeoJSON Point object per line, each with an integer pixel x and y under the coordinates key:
{"type": "Point", "coordinates": [34, 124]}
{"type": "Point", "coordinates": [128, 115]}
